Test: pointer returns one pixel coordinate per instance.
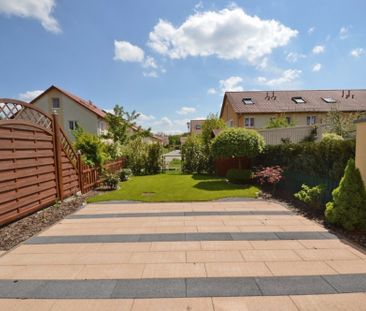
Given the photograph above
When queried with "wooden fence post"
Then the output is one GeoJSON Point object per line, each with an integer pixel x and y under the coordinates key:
{"type": "Point", "coordinates": [80, 172]}
{"type": "Point", "coordinates": [58, 158]}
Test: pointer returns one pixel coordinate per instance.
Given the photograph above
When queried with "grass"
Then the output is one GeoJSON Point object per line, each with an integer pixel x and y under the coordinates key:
{"type": "Point", "coordinates": [175, 187]}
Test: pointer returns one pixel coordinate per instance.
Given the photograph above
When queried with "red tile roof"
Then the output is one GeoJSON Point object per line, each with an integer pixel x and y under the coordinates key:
{"type": "Point", "coordinates": [85, 103]}
{"type": "Point", "coordinates": [282, 102]}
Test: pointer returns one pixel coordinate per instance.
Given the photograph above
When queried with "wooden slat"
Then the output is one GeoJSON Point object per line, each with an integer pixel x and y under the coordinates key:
{"type": "Point", "coordinates": [21, 154]}
{"type": "Point", "coordinates": [26, 181]}
{"type": "Point", "coordinates": [30, 171]}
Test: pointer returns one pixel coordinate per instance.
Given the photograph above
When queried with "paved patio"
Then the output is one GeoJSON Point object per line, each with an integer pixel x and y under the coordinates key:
{"type": "Point", "coordinates": [251, 255]}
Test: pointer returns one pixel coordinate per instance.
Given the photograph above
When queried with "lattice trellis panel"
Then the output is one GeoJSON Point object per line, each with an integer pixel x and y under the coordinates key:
{"type": "Point", "coordinates": [16, 110]}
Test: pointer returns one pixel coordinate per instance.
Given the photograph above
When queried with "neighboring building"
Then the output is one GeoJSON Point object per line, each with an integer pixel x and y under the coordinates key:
{"type": "Point", "coordinates": [254, 109]}
{"type": "Point", "coordinates": [195, 126]}
{"type": "Point", "coordinates": [72, 111]}
{"type": "Point", "coordinates": [361, 147]}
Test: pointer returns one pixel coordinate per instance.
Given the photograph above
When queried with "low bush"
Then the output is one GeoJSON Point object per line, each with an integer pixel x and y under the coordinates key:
{"type": "Point", "coordinates": [124, 174]}
{"type": "Point", "coordinates": [239, 176]}
{"type": "Point", "coordinates": [311, 195]}
{"type": "Point", "coordinates": [330, 137]}
{"type": "Point", "coordinates": [270, 175]}
{"type": "Point", "coordinates": [154, 158]}
{"type": "Point", "coordinates": [111, 181]}
{"type": "Point", "coordinates": [348, 208]}
{"type": "Point", "coordinates": [194, 159]}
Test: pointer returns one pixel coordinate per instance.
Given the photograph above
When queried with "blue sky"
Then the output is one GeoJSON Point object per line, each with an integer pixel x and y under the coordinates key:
{"type": "Point", "coordinates": [172, 60]}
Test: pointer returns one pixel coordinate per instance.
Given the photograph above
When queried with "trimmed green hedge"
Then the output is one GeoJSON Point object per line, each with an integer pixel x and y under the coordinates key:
{"type": "Point", "coordinates": [326, 159]}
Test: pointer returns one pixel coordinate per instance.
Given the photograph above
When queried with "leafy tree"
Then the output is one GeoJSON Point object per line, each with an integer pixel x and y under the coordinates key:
{"type": "Point", "coordinates": [154, 159]}
{"type": "Point", "coordinates": [174, 140]}
{"type": "Point", "coordinates": [237, 142]}
{"type": "Point", "coordinates": [341, 123]}
{"type": "Point", "coordinates": [193, 156]}
{"type": "Point", "coordinates": [348, 208]}
{"type": "Point", "coordinates": [279, 122]}
{"type": "Point", "coordinates": [212, 122]}
{"type": "Point", "coordinates": [119, 123]}
{"type": "Point", "coordinates": [136, 155]}
{"type": "Point", "coordinates": [92, 147]}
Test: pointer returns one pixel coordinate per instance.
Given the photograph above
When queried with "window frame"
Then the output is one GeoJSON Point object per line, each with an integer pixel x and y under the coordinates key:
{"type": "Point", "coordinates": [53, 102]}
{"type": "Point", "coordinates": [309, 120]}
{"type": "Point", "coordinates": [329, 100]}
{"type": "Point", "coordinates": [75, 125]}
{"type": "Point", "coordinates": [247, 101]}
{"type": "Point", "coordinates": [251, 122]}
{"type": "Point", "coordinates": [298, 100]}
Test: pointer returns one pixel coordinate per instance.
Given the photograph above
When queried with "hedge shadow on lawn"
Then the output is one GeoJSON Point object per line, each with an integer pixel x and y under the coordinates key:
{"type": "Point", "coordinates": [219, 185]}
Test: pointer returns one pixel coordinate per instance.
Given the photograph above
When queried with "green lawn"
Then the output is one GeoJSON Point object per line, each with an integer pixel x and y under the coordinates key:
{"type": "Point", "coordinates": [176, 187]}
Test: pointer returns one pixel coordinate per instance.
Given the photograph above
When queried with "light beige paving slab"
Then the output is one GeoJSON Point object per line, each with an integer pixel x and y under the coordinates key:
{"type": "Point", "coordinates": [214, 256]}
{"type": "Point", "coordinates": [334, 302]}
{"type": "Point", "coordinates": [175, 246]}
{"type": "Point", "coordinates": [218, 229]}
{"type": "Point", "coordinates": [225, 245]}
{"type": "Point", "coordinates": [347, 266]}
{"type": "Point", "coordinates": [93, 305]}
{"type": "Point", "coordinates": [323, 244]}
{"type": "Point", "coordinates": [174, 270]}
{"type": "Point", "coordinates": [326, 254]}
{"type": "Point", "coordinates": [276, 244]}
{"type": "Point", "coordinates": [282, 303]}
{"type": "Point", "coordinates": [26, 305]}
{"type": "Point", "coordinates": [285, 268]}
{"type": "Point", "coordinates": [124, 247]}
{"type": "Point", "coordinates": [270, 255]}
{"type": "Point", "coordinates": [113, 271]}
{"type": "Point", "coordinates": [57, 248]}
{"type": "Point", "coordinates": [158, 257]}
{"type": "Point", "coordinates": [237, 269]}
{"type": "Point", "coordinates": [37, 259]}
{"type": "Point", "coordinates": [173, 304]}
{"type": "Point", "coordinates": [262, 228]}
{"type": "Point", "coordinates": [49, 272]}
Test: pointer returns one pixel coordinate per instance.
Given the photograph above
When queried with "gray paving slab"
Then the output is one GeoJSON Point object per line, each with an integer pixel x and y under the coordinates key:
{"type": "Point", "coordinates": [254, 236]}
{"type": "Point", "coordinates": [222, 287]}
{"type": "Point", "coordinates": [347, 283]}
{"type": "Point", "coordinates": [150, 288]}
{"type": "Point", "coordinates": [20, 288]}
{"type": "Point", "coordinates": [209, 236]}
{"type": "Point", "coordinates": [311, 235]}
{"type": "Point", "coordinates": [294, 285]}
{"type": "Point", "coordinates": [162, 237]}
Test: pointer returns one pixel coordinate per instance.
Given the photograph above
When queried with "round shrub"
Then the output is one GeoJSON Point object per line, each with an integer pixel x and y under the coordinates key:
{"type": "Point", "coordinates": [329, 137]}
{"type": "Point", "coordinates": [239, 176]}
{"type": "Point", "coordinates": [237, 142]}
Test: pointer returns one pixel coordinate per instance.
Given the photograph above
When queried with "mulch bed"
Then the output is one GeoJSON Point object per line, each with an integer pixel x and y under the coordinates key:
{"type": "Point", "coordinates": [358, 237]}
{"type": "Point", "coordinates": [23, 229]}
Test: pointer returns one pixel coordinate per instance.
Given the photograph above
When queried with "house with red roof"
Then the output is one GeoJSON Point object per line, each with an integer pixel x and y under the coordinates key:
{"type": "Point", "coordinates": [72, 111]}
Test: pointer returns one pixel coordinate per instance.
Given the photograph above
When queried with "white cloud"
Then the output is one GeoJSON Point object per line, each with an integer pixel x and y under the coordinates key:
{"type": "Point", "coordinates": [127, 52]}
{"type": "Point", "coordinates": [186, 110]}
{"type": "Point", "coordinates": [40, 10]}
{"type": "Point", "coordinates": [30, 95]}
{"type": "Point", "coordinates": [144, 117]}
{"type": "Point", "coordinates": [311, 30]}
{"type": "Point", "coordinates": [343, 32]}
{"type": "Point", "coordinates": [293, 57]}
{"type": "Point", "coordinates": [150, 74]}
{"type": "Point", "coordinates": [357, 52]}
{"type": "Point", "coordinates": [318, 49]}
{"type": "Point", "coordinates": [150, 63]}
{"type": "Point", "coordinates": [317, 67]}
{"type": "Point", "coordinates": [231, 84]}
{"type": "Point", "coordinates": [198, 6]}
{"type": "Point", "coordinates": [227, 34]}
{"type": "Point", "coordinates": [285, 78]}
{"type": "Point", "coordinates": [211, 91]}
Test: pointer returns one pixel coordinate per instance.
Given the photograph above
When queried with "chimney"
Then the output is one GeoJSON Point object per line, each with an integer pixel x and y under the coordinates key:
{"type": "Point", "coordinates": [348, 94]}
{"type": "Point", "coordinates": [353, 96]}
{"type": "Point", "coordinates": [273, 95]}
{"type": "Point", "coordinates": [342, 93]}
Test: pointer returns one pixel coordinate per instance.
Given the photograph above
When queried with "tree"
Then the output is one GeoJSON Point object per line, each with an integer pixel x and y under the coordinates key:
{"type": "Point", "coordinates": [193, 156]}
{"type": "Point", "coordinates": [279, 122]}
{"type": "Point", "coordinates": [348, 207]}
{"type": "Point", "coordinates": [341, 123]}
{"type": "Point", "coordinates": [118, 124]}
{"type": "Point", "coordinates": [212, 122]}
{"type": "Point", "coordinates": [237, 142]}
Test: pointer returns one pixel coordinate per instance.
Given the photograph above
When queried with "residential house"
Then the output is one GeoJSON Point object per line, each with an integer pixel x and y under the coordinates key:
{"type": "Point", "coordinates": [254, 109]}
{"type": "Point", "coordinates": [361, 147]}
{"type": "Point", "coordinates": [195, 126]}
{"type": "Point", "coordinates": [72, 111]}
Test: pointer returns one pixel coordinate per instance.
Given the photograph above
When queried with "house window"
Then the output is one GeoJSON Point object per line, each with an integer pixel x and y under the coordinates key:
{"type": "Point", "coordinates": [298, 100]}
{"type": "Point", "coordinates": [101, 125]}
{"type": "Point", "coordinates": [311, 120]}
{"type": "Point", "coordinates": [230, 123]}
{"type": "Point", "coordinates": [329, 100]}
{"type": "Point", "coordinates": [249, 122]}
{"type": "Point", "coordinates": [247, 101]}
{"type": "Point", "coordinates": [73, 125]}
{"type": "Point", "coordinates": [288, 119]}
{"type": "Point", "coordinates": [198, 127]}
{"type": "Point", "coordinates": [55, 103]}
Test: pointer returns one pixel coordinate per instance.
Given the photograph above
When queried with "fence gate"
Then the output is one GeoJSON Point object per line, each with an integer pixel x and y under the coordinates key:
{"type": "Point", "coordinates": [37, 163]}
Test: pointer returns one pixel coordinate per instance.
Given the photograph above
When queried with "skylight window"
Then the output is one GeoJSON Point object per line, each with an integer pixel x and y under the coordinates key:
{"type": "Point", "coordinates": [329, 100]}
{"type": "Point", "coordinates": [299, 100]}
{"type": "Point", "coordinates": [248, 101]}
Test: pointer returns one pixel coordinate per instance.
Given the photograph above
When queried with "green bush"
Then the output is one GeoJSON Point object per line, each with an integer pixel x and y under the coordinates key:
{"type": "Point", "coordinates": [348, 208]}
{"type": "Point", "coordinates": [328, 137]}
{"type": "Point", "coordinates": [92, 147]}
{"type": "Point", "coordinates": [327, 158]}
{"type": "Point", "coordinates": [237, 142]}
{"type": "Point", "coordinates": [311, 195]}
{"type": "Point", "coordinates": [154, 158]}
{"type": "Point", "coordinates": [279, 122]}
{"type": "Point", "coordinates": [136, 156]}
{"type": "Point", "coordinates": [194, 159]}
{"type": "Point", "coordinates": [239, 176]}
{"type": "Point", "coordinates": [111, 181]}
{"type": "Point", "coordinates": [124, 174]}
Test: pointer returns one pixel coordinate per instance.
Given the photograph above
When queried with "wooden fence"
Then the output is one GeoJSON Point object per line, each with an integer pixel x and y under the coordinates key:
{"type": "Point", "coordinates": [38, 165]}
